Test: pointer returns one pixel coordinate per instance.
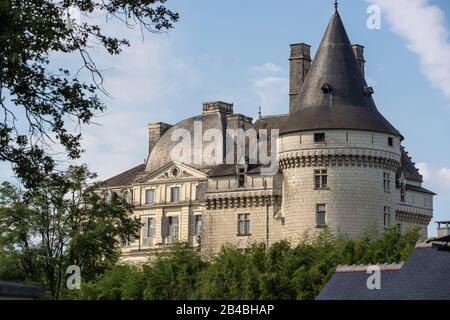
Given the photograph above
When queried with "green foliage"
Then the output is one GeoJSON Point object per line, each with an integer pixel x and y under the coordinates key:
{"type": "Point", "coordinates": [42, 104]}
{"type": "Point", "coordinates": [63, 222]}
{"type": "Point", "coordinates": [281, 272]}
{"type": "Point", "coordinates": [173, 274]}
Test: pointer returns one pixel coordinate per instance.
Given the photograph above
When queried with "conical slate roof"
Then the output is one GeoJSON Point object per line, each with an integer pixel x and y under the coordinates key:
{"type": "Point", "coordinates": [349, 104]}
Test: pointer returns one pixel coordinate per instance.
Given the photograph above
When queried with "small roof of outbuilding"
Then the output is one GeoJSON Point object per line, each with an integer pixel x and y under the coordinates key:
{"type": "Point", "coordinates": [424, 276]}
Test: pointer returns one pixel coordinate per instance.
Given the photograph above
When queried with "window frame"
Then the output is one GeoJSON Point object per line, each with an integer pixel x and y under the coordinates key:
{"type": "Point", "coordinates": [387, 181]}
{"type": "Point", "coordinates": [319, 137]}
{"type": "Point", "coordinates": [151, 229]}
{"type": "Point", "coordinates": [153, 192]}
{"type": "Point", "coordinates": [320, 178]}
{"type": "Point", "coordinates": [172, 200]}
{"type": "Point", "coordinates": [243, 224]}
{"type": "Point", "coordinates": [387, 214]}
{"type": "Point", "coordinates": [320, 211]}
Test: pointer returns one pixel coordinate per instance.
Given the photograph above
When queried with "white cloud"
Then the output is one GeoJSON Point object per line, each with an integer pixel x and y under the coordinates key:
{"type": "Point", "coordinates": [438, 178]}
{"type": "Point", "coordinates": [270, 87]}
{"type": "Point", "coordinates": [423, 27]}
{"type": "Point", "coordinates": [267, 67]}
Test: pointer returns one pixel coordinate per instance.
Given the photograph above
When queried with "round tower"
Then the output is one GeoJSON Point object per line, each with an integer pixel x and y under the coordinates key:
{"type": "Point", "coordinates": [337, 153]}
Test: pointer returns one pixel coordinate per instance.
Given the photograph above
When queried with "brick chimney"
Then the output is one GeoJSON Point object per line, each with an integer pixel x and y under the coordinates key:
{"type": "Point", "coordinates": [299, 64]}
{"type": "Point", "coordinates": [155, 132]}
{"type": "Point", "coordinates": [443, 229]}
{"type": "Point", "coordinates": [359, 54]}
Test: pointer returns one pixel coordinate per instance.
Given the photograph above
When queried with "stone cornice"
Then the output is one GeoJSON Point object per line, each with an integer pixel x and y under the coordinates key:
{"type": "Point", "coordinates": [341, 157]}
{"type": "Point", "coordinates": [228, 200]}
{"type": "Point", "coordinates": [417, 218]}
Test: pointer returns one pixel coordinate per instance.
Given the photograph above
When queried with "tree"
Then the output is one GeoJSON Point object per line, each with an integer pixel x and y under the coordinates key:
{"type": "Point", "coordinates": [40, 105]}
{"type": "Point", "coordinates": [64, 222]}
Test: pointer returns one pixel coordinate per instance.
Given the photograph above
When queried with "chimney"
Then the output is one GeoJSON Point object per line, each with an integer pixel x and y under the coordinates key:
{"type": "Point", "coordinates": [443, 229]}
{"type": "Point", "coordinates": [155, 132]}
{"type": "Point", "coordinates": [217, 106]}
{"type": "Point", "coordinates": [358, 50]}
{"type": "Point", "coordinates": [300, 62]}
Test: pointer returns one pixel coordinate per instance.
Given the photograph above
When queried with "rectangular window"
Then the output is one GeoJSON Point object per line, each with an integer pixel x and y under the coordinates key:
{"type": "Point", "coordinates": [174, 194]}
{"type": "Point", "coordinates": [320, 179]}
{"type": "Point", "coordinates": [321, 213]}
{"type": "Point", "coordinates": [199, 192]}
{"type": "Point", "coordinates": [241, 177]}
{"type": "Point", "coordinates": [150, 227]}
{"type": "Point", "coordinates": [198, 225]}
{"type": "Point", "coordinates": [387, 217]}
{"type": "Point", "coordinates": [403, 193]}
{"type": "Point", "coordinates": [243, 224]}
{"type": "Point", "coordinates": [172, 230]}
{"type": "Point", "coordinates": [391, 141]}
{"type": "Point", "coordinates": [387, 181]}
{"type": "Point", "coordinates": [319, 137]}
{"type": "Point", "coordinates": [149, 196]}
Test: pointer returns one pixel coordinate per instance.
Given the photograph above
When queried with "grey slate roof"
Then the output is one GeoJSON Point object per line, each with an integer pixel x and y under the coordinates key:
{"type": "Point", "coordinates": [409, 169]}
{"type": "Point", "coordinates": [424, 276]}
{"type": "Point", "coordinates": [123, 179]}
{"type": "Point", "coordinates": [347, 106]}
{"type": "Point", "coordinates": [161, 153]}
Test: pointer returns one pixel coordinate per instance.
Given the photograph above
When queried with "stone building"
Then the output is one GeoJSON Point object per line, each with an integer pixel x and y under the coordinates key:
{"type": "Point", "coordinates": [341, 164]}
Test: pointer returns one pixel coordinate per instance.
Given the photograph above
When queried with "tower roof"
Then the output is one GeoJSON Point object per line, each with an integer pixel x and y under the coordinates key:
{"type": "Point", "coordinates": [335, 94]}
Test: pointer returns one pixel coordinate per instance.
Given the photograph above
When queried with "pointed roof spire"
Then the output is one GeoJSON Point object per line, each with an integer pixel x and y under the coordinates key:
{"type": "Point", "coordinates": [336, 5]}
{"type": "Point", "coordinates": [333, 95]}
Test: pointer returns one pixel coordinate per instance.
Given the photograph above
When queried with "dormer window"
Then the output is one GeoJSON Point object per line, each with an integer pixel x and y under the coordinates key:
{"type": "Point", "coordinates": [368, 91]}
{"type": "Point", "coordinates": [319, 137]}
{"type": "Point", "coordinates": [326, 88]}
{"type": "Point", "coordinates": [241, 178]}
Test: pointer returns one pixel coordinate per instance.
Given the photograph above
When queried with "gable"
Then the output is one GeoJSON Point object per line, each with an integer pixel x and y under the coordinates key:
{"type": "Point", "coordinates": [173, 171]}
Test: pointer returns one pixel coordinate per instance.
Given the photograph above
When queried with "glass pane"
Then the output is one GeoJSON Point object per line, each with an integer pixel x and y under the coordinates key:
{"type": "Point", "coordinates": [240, 227]}
{"type": "Point", "coordinates": [320, 218]}
{"type": "Point", "coordinates": [320, 207]}
{"type": "Point", "coordinates": [324, 181]}
{"type": "Point", "coordinates": [317, 181]}
{"type": "Point", "coordinates": [247, 227]}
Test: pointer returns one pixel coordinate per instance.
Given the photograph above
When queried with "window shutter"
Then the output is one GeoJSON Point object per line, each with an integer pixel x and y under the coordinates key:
{"type": "Point", "coordinates": [144, 228]}
{"type": "Point", "coordinates": [192, 225]}
{"type": "Point", "coordinates": [164, 226]}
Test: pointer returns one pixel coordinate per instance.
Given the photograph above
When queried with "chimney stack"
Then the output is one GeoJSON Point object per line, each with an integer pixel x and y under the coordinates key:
{"type": "Point", "coordinates": [443, 229]}
{"type": "Point", "coordinates": [300, 62]}
{"type": "Point", "coordinates": [359, 54]}
{"type": "Point", "coordinates": [155, 132]}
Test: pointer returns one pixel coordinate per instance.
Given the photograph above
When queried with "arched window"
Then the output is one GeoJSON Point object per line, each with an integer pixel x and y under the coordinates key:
{"type": "Point", "coordinates": [107, 197]}
{"type": "Point", "coordinates": [126, 196]}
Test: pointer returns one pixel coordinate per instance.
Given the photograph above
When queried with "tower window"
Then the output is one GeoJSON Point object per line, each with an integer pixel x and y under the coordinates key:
{"type": "Point", "coordinates": [321, 213]}
{"type": "Point", "coordinates": [391, 141]}
{"type": "Point", "coordinates": [319, 137]}
{"type": "Point", "coordinates": [243, 225]}
{"type": "Point", "coordinates": [387, 181]}
{"type": "Point", "coordinates": [320, 179]}
{"type": "Point", "coordinates": [387, 217]}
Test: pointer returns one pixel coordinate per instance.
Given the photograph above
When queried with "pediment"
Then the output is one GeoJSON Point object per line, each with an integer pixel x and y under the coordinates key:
{"type": "Point", "coordinates": [174, 171]}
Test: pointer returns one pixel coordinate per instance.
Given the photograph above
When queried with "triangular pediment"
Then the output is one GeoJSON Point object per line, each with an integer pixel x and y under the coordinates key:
{"type": "Point", "coordinates": [173, 171]}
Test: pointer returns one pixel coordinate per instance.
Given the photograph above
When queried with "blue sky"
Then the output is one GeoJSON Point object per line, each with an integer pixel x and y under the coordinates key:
{"type": "Point", "coordinates": [237, 51]}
